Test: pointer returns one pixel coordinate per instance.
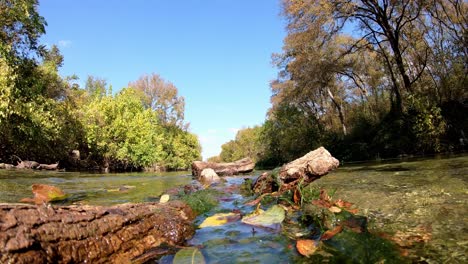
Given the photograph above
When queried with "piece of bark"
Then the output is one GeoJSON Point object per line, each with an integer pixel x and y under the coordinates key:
{"type": "Point", "coordinates": [90, 234]}
{"type": "Point", "coordinates": [304, 170]}
{"type": "Point", "coordinates": [222, 169]}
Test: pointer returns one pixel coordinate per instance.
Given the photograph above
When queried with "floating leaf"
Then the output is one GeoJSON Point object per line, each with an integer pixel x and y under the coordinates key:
{"type": "Point", "coordinates": [306, 247]}
{"type": "Point", "coordinates": [331, 233]}
{"type": "Point", "coordinates": [189, 255]}
{"type": "Point", "coordinates": [45, 193]}
{"type": "Point", "coordinates": [220, 219]}
{"type": "Point", "coordinates": [274, 215]}
{"type": "Point", "coordinates": [164, 198]}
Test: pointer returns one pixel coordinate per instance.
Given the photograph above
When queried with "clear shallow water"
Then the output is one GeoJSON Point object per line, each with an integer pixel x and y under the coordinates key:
{"type": "Point", "coordinates": [426, 198]}
{"type": "Point", "coordinates": [88, 188]}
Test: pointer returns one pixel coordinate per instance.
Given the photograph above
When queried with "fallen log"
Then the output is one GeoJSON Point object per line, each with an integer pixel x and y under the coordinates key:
{"type": "Point", "coordinates": [28, 164]}
{"type": "Point", "coordinates": [48, 166]}
{"type": "Point", "coordinates": [303, 171]}
{"type": "Point", "coordinates": [90, 234]}
{"type": "Point", "coordinates": [231, 168]}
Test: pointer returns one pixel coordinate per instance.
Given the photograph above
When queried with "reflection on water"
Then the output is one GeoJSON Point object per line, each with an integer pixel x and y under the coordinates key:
{"type": "Point", "coordinates": [98, 189]}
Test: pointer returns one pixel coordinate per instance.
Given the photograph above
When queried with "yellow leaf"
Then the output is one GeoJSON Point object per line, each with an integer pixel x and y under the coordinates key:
{"type": "Point", "coordinates": [334, 209]}
{"type": "Point", "coordinates": [306, 247]}
{"type": "Point", "coordinates": [220, 219]}
{"type": "Point", "coordinates": [164, 198]}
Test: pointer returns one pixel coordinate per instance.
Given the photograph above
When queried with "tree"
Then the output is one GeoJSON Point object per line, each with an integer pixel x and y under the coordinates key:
{"type": "Point", "coordinates": [96, 87]}
{"type": "Point", "coordinates": [162, 97]}
{"type": "Point", "coordinates": [123, 133]}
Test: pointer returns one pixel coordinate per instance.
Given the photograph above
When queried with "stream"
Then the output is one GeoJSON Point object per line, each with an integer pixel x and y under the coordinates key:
{"type": "Point", "coordinates": [404, 199]}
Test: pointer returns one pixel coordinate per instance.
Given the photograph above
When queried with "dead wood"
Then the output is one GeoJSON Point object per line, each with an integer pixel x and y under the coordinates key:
{"type": "Point", "coordinates": [232, 168]}
{"type": "Point", "coordinates": [303, 171]}
{"type": "Point", "coordinates": [90, 234]}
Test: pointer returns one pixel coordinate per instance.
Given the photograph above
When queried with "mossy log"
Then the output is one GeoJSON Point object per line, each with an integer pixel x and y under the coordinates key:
{"type": "Point", "coordinates": [224, 169]}
{"type": "Point", "coordinates": [90, 234]}
{"type": "Point", "coordinates": [303, 171]}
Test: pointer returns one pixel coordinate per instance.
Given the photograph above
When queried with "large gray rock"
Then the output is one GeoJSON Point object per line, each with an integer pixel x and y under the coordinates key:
{"type": "Point", "coordinates": [209, 176]}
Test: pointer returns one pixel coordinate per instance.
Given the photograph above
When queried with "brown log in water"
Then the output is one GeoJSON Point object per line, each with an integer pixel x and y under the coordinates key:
{"type": "Point", "coordinates": [232, 168]}
{"type": "Point", "coordinates": [90, 234]}
{"type": "Point", "coordinates": [304, 170]}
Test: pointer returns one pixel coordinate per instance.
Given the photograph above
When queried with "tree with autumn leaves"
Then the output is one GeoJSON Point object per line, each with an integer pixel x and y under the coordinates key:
{"type": "Point", "coordinates": [368, 79]}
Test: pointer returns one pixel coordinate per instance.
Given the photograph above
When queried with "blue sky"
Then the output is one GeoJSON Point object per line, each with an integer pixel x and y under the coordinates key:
{"type": "Point", "coordinates": [216, 52]}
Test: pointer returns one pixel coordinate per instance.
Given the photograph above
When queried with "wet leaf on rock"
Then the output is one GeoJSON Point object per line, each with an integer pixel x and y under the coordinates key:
{"type": "Point", "coordinates": [220, 219]}
{"type": "Point", "coordinates": [45, 193]}
{"type": "Point", "coordinates": [274, 215]}
{"type": "Point", "coordinates": [189, 255]}
{"type": "Point", "coordinates": [306, 247]}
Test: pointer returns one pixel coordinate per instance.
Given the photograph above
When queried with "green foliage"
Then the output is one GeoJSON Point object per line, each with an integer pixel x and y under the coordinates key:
{"type": "Point", "coordinates": [246, 144]}
{"type": "Point", "coordinates": [120, 129]}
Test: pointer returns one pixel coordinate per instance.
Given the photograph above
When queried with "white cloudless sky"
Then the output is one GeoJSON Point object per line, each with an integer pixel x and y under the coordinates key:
{"type": "Point", "coordinates": [216, 52]}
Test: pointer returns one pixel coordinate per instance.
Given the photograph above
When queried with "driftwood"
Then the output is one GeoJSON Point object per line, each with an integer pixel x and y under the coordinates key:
{"type": "Point", "coordinates": [90, 234]}
{"type": "Point", "coordinates": [232, 168]}
{"type": "Point", "coordinates": [303, 171]}
{"type": "Point", "coordinates": [48, 166]}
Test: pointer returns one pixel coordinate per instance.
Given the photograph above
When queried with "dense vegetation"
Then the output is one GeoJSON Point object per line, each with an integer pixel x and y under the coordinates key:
{"type": "Point", "coordinates": [366, 79]}
{"type": "Point", "coordinates": [44, 117]}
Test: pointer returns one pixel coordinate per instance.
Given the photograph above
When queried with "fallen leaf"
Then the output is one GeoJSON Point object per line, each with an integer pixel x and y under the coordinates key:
{"type": "Point", "coordinates": [306, 247]}
{"type": "Point", "coordinates": [297, 196]}
{"type": "Point", "coordinates": [45, 193]}
{"type": "Point", "coordinates": [331, 233]}
{"type": "Point", "coordinates": [190, 255]}
{"type": "Point", "coordinates": [164, 198]}
{"type": "Point", "coordinates": [220, 219]}
{"type": "Point", "coordinates": [274, 215]}
{"type": "Point", "coordinates": [324, 196]}
{"type": "Point", "coordinates": [353, 211]}
{"type": "Point", "coordinates": [334, 209]}
{"type": "Point", "coordinates": [343, 204]}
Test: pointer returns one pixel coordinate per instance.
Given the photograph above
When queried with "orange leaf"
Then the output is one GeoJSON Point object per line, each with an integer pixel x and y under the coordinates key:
{"type": "Point", "coordinates": [254, 202]}
{"type": "Point", "coordinates": [297, 196]}
{"type": "Point", "coordinates": [45, 193]}
{"type": "Point", "coordinates": [331, 233]}
{"type": "Point", "coordinates": [343, 204]}
{"type": "Point", "coordinates": [306, 247]}
{"type": "Point", "coordinates": [324, 196]}
{"type": "Point", "coordinates": [353, 211]}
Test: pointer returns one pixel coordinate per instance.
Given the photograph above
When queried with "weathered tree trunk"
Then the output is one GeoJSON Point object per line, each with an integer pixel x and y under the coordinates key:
{"type": "Point", "coordinates": [232, 168]}
{"type": "Point", "coordinates": [90, 234]}
{"type": "Point", "coordinates": [304, 170]}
